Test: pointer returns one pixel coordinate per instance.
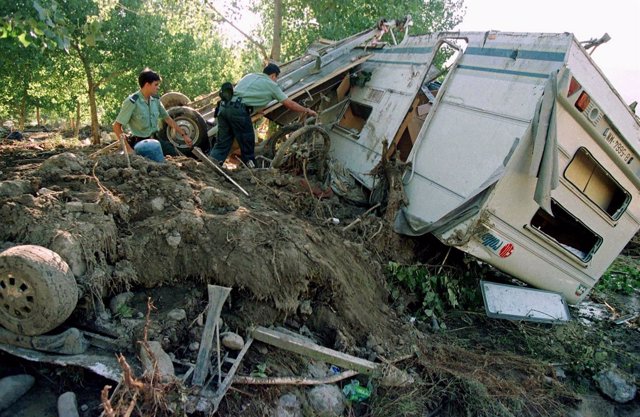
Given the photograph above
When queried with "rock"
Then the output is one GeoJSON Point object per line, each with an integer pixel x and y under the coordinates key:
{"type": "Point", "coordinates": [317, 369]}
{"type": "Point", "coordinates": [120, 301]}
{"type": "Point", "coordinates": [174, 239]}
{"type": "Point", "coordinates": [305, 308]}
{"type": "Point", "coordinates": [69, 248]}
{"type": "Point", "coordinates": [68, 405]}
{"type": "Point", "coordinates": [163, 360]}
{"type": "Point", "coordinates": [14, 188]}
{"type": "Point", "coordinates": [13, 387]}
{"type": "Point", "coordinates": [214, 198]}
{"type": "Point", "coordinates": [177, 314]}
{"type": "Point", "coordinates": [289, 406]}
{"type": "Point", "coordinates": [326, 400]}
{"type": "Point", "coordinates": [616, 385]}
{"type": "Point", "coordinates": [92, 208]}
{"type": "Point", "coordinates": [194, 347]}
{"type": "Point", "coordinates": [157, 204]}
{"type": "Point", "coordinates": [74, 206]}
{"type": "Point", "coordinates": [232, 341]}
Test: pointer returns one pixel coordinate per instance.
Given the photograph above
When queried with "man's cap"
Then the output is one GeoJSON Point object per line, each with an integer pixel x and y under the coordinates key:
{"type": "Point", "coordinates": [271, 69]}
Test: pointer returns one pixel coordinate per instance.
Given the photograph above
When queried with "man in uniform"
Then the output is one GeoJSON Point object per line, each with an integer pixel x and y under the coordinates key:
{"type": "Point", "coordinates": [253, 92]}
{"type": "Point", "coordinates": [140, 112]}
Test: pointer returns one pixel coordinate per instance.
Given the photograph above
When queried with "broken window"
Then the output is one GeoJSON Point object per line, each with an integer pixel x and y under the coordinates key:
{"type": "Point", "coordinates": [354, 118]}
{"type": "Point", "coordinates": [566, 230]}
{"type": "Point", "coordinates": [592, 180]}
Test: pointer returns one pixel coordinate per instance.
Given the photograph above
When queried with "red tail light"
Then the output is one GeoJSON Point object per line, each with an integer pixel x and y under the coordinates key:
{"type": "Point", "coordinates": [573, 87]}
{"type": "Point", "coordinates": [583, 101]}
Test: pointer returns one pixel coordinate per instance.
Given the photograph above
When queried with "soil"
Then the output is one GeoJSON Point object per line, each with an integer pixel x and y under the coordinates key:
{"type": "Point", "coordinates": [165, 231]}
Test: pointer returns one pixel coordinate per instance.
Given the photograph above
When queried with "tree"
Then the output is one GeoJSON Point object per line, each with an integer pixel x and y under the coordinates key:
{"type": "Point", "coordinates": [306, 21]}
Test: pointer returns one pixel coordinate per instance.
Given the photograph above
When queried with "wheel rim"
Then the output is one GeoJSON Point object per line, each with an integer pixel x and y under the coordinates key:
{"type": "Point", "coordinates": [189, 127]}
{"type": "Point", "coordinates": [17, 297]}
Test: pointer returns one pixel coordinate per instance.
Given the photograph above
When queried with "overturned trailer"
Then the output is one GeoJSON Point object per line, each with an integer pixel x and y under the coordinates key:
{"type": "Point", "coordinates": [521, 152]}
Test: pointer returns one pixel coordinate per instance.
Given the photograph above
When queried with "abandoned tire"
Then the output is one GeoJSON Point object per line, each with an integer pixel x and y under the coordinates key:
{"type": "Point", "coordinates": [269, 147]}
{"type": "Point", "coordinates": [38, 291]}
{"type": "Point", "coordinates": [174, 99]}
{"type": "Point", "coordinates": [193, 125]}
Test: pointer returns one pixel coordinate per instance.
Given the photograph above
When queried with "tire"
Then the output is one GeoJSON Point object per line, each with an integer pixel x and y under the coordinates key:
{"type": "Point", "coordinates": [174, 99]}
{"type": "Point", "coordinates": [38, 291]}
{"type": "Point", "coordinates": [269, 147]}
{"type": "Point", "coordinates": [299, 134]}
{"type": "Point", "coordinates": [192, 123]}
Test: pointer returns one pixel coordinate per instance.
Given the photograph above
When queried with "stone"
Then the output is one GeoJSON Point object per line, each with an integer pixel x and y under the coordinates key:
{"type": "Point", "coordinates": [68, 405]}
{"type": "Point", "coordinates": [317, 369]}
{"type": "Point", "coordinates": [305, 308]}
{"type": "Point", "coordinates": [157, 204]}
{"type": "Point", "coordinates": [74, 206]}
{"type": "Point", "coordinates": [118, 302]}
{"type": "Point", "coordinates": [289, 406]}
{"type": "Point", "coordinates": [214, 198]}
{"type": "Point", "coordinates": [194, 347]}
{"type": "Point", "coordinates": [13, 387]}
{"type": "Point", "coordinates": [177, 314]}
{"type": "Point", "coordinates": [69, 248]}
{"type": "Point", "coordinates": [174, 239]}
{"type": "Point", "coordinates": [93, 208]}
{"type": "Point", "coordinates": [14, 188]}
{"type": "Point", "coordinates": [326, 400]}
{"type": "Point", "coordinates": [165, 366]}
{"type": "Point", "coordinates": [616, 385]}
{"type": "Point", "coordinates": [232, 341]}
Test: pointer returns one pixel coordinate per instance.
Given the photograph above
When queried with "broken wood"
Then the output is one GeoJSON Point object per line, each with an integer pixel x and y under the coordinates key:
{"type": "Point", "coordinates": [293, 380]}
{"type": "Point", "coordinates": [360, 217]}
{"type": "Point", "coordinates": [297, 345]}
{"type": "Point", "coordinates": [217, 297]}
{"type": "Point", "coordinates": [390, 376]}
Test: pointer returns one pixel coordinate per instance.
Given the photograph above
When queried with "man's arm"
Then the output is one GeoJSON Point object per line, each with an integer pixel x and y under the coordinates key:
{"type": "Point", "coordinates": [117, 129]}
{"type": "Point", "coordinates": [293, 106]}
{"type": "Point", "coordinates": [168, 120]}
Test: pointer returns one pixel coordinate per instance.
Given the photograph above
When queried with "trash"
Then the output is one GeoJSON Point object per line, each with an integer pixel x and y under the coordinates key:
{"type": "Point", "coordinates": [334, 370]}
{"type": "Point", "coordinates": [355, 392]}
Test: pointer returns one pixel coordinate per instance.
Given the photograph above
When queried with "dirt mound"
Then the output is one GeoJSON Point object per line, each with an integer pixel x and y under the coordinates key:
{"type": "Point", "coordinates": [180, 223]}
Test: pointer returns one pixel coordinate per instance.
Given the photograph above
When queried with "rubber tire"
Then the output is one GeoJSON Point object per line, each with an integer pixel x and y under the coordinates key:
{"type": "Point", "coordinates": [174, 99]}
{"type": "Point", "coordinates": [268, 147]}
{"type": "Point", "coordinates": [38, 291]}
{"type": "Point", "coordinates": [194, 123]}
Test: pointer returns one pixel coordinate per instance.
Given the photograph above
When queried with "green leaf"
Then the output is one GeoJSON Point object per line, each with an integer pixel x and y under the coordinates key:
{"type": "Point", "coordinates": [23, 39]}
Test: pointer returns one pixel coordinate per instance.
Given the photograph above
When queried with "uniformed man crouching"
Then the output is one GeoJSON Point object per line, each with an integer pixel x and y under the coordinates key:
{"type": "Point", "coordinates": [140, 113]}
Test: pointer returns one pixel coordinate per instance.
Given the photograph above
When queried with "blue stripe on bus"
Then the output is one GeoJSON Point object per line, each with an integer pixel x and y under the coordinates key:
{"type": "Point", "coordinates": [504, 71]}
{"type": "Point", "coordinates": [516, 53]}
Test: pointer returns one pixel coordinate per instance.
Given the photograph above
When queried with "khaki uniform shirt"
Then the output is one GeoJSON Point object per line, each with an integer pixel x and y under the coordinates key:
{"type": "Point", "coordinates": [140, 116]}
{"type": "Point", "coordinates": [258, 90]}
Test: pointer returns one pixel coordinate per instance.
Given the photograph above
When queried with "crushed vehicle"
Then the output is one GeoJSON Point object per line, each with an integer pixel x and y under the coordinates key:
{"type": "Point", "coordinates": [520, 152]}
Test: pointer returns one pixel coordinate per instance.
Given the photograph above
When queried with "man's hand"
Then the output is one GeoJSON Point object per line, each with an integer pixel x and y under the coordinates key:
{"type": "Point", "coordinates": [187, 139]}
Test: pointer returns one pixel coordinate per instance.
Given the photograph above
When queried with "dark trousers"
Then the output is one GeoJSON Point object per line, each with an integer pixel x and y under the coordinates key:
{"type": "Point", "coordinates": [234, 121]}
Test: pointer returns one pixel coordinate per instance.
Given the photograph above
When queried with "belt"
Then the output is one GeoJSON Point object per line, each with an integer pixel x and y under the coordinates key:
{"type": "Point", "coordinates": [237, 103]}
{"type": "Point", "coordinates": [133, 140]}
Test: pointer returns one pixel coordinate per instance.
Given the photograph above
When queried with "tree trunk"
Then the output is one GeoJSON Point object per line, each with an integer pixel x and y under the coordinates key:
{"type": "Point", "coordinates": [23, 110]}
{"type": "Point", "coordinates": [277, 31]}
{"type": "Point", "coordinates": [91, 89]}
{"type": "Point", "coordinates": [76, 125]}
{"type": "Point", "coordinates": [38, 121]}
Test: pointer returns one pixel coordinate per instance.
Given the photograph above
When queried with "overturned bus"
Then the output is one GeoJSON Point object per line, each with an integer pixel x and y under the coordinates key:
{"type": "Point", "coordinates": [520, 152]}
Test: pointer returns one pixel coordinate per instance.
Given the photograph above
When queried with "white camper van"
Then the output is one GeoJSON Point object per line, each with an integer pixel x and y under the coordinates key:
{"type": "Point", "coordinates": [521, 152]}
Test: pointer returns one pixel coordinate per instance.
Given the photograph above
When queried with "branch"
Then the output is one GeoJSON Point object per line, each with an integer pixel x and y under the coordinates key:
{"type": "Point", "coordinates": [265, 55]}
{"type": "Point", "coordinates": [109, 77]}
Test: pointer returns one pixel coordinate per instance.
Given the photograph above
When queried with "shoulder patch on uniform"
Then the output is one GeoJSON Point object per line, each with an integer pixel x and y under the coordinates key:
{"type": "Point", "coordinates": [134, 97]}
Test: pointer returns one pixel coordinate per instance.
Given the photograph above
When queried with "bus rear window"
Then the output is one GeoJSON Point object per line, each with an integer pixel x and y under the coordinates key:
{"type": "Point", "coordinates": [592, 180]}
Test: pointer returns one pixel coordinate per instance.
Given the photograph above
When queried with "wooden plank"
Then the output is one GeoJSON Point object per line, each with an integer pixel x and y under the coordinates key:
{"type": "Point", "coordinates": [294, 344]}
{"type": "Point", "coordinates": [217, 297]}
